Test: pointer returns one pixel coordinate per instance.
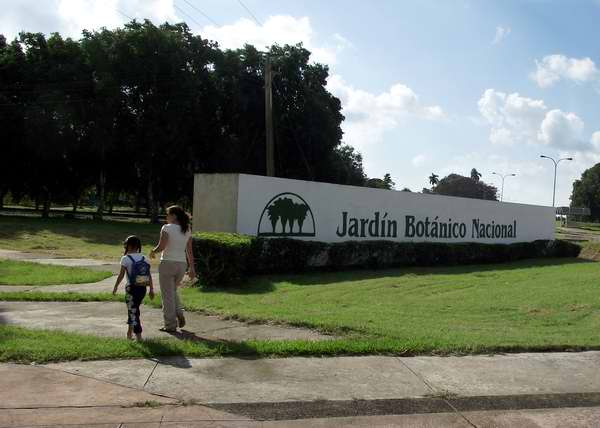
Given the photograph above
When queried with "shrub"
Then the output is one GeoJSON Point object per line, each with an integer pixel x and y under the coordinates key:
{"type": "Point", "coordinates": [223, 259]}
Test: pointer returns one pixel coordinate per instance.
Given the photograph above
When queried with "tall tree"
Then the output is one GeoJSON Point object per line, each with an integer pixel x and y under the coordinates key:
{"type": "Point", "coordinates": [466, 187]}
{"type": "Point", "coordinates": [586, 191]}
{"type": "Point", "coordinates": [12, 71]}
{"type": "Point", "coordinates": [475, 175]}
{"type": "Point", "coordinates": [434, 179]}
{"type": "Point", "coordinates": [138, 110]}
{"type": "Point", "coordinates": [381, 183]}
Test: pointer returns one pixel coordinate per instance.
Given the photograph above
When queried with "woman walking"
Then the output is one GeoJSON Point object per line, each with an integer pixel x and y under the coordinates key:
{"type": "Point", "coordinates": [175, 245]}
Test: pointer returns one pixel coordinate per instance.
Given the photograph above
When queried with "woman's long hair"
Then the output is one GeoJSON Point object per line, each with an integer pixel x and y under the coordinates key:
{"type": "Point", "coordinates": [182, 217]}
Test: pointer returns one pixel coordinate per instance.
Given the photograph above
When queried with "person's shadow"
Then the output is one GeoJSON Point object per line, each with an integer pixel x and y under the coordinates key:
{"type": "Point", "coordinates": [160, 353]}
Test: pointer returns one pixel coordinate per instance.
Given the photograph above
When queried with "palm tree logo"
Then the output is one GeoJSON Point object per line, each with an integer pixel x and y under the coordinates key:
{"type": "Point", "coordinates": [287, 214]}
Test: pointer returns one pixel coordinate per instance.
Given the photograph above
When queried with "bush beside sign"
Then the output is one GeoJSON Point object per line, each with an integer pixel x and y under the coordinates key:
{"type": "Point", "coordinates": [225, 259]}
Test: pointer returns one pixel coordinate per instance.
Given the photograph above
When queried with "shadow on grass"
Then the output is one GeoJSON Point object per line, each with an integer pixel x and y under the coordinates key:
{"type": "Point", "coordinates": [169, 354]}
{"type": "Point", "coordinates": [91, 231]}
{"type": "Point", "coordinates": [262, 284]}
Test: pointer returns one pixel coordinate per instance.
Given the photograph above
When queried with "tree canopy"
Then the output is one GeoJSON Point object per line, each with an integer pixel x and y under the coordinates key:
{"type": "Point", "coordinates": [466, 187]}
{"type": "Point", "coordinates": [136, 111]}
{"type": "Point", "coordinates": [586, 192]}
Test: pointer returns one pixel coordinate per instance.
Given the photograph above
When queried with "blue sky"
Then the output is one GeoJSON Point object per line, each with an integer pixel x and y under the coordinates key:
{"type": "Point", "coordinates": [427, 86]}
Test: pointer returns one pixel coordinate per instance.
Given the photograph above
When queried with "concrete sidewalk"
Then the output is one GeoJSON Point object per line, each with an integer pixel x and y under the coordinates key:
{"type": "Point", "coordinates": [108, 319]}
{"type": "Point", "coordinates": [234, 380]}
{"type": "Point", "coordinates": [521, 390]}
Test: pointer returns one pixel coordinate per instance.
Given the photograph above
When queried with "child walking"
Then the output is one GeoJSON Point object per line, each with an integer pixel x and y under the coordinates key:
{"type": "Point", "coordinates": [137, 271]}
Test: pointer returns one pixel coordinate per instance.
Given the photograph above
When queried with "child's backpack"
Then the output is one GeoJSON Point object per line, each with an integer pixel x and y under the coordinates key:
{"type": "Point", "coordinates": [140, 272]}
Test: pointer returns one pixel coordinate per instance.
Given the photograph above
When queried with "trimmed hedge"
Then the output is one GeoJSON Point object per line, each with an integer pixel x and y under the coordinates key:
{"type": "Point", "coordinates": [226, 259]}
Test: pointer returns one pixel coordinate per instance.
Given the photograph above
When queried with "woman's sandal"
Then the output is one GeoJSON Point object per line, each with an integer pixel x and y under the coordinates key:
{"type": "Point", "coordinates": [166, 330]}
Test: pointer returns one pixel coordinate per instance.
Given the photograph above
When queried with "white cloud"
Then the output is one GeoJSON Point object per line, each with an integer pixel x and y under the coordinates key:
{"type": "Point", "coordinates": [519, 120]}
{"type": "Point", "coordinates": [513, 118]}
{"type": "Point", "coordinates": [369, 116]}
{"type": "Point", "coordinates": [70, 17]}
{"type": "Point", "coordinates": [501, 34]}
{"type": "Point", "coordinates": [562, 130]}
{"type": "Point", "coordinates": [281, 29]}
{"type": "Point", "coordinates": [595, 140]}
{"type": "Point", "coordinates": [419, 160]}
{"type": "Point", "coordinates": [553, 68]}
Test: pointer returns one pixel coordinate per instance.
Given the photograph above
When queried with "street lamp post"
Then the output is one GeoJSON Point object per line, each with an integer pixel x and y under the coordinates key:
{"type": "Point", "coordinates": [555, 168]}
{"type": "Point", "coordinates": [503, 177]}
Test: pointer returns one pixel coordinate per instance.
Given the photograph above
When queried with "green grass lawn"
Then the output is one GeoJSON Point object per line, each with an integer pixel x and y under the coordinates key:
{"type": "Point", "coordinates": [26, 273]}
{"type": "Point", "coordinates": [61, 296]}
{"type": "Point", "coordinates": [541, 304]}
{"type": "Point", "coordinates": [73, 238]}
{"type": "Point", "coordinates": [41, 346]}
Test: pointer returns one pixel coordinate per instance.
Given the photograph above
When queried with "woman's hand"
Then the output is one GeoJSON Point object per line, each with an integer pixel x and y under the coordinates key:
{"type": "Point", "coordinates": [115, 290]}
{"type": "Point", "coordinates": [151, 293]}
{"type": "Point", "coordinates": [152, 254]}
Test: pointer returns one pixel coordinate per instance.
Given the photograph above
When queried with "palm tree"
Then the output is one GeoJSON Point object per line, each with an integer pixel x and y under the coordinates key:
{"type": "Point", "coordinates": [434, 179]}
{"type": "Point", "coordinates": [475, 175]}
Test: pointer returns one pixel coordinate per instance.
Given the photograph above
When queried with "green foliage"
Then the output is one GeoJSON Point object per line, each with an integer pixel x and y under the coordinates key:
{"type": "Point", "coordinates": [99, 112]}
{"type": "Point", "coordinates": [466, 187]}
{"type": "Point", "coordinates": [586, 191]}
{"type": "Point", "coordinates": [226, 259]}
{"type": "Point", "coordinates": [221, 258]}
{"type": "Point", "coordinates": [434, 179]}
{"type": "Point", "coordinates": [381, 183]}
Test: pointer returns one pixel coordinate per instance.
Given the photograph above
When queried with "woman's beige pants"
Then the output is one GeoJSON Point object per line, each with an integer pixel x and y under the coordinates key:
{"type": "Point", "coordinates": [170, 275]}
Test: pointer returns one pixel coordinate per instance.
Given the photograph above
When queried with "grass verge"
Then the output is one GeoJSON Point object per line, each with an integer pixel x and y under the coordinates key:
{"type": "Point", "coordinates": [42, 346]}
{"type": "Point", "coordinates": [26, 273]}
{"type": "Point", "coordinates": [70, 296]}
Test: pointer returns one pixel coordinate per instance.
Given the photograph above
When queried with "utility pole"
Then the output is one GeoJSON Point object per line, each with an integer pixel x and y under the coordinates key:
{"type": "Point", "coordinates": [503, 177]}
{"type": "Point", "coordinates": [269, 117]}
{"type": "Point", "coordinates": [555, 168]}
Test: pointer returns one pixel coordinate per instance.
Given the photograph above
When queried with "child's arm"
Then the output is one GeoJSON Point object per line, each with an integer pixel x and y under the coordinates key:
{"type": "Point", "coordinates": [151, 291]}
{"type": "Point", "coordinates": [119, 279]}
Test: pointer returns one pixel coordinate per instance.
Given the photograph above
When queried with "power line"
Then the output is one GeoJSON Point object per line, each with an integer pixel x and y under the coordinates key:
{"type": "Point", "coordinates": [249, 12]}
{"type": "Point", "coordinates": [124, 14]}
{"type": "Point", "coordinates": [120, 12]}
{"type": "Point", "coordinates": [201, 13]}
{"type": "Point", "coordinates": [186, 14]}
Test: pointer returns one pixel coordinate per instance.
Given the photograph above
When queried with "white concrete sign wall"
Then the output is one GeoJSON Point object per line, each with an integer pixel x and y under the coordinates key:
{"type": "Point", "coordinates": [275, 207]}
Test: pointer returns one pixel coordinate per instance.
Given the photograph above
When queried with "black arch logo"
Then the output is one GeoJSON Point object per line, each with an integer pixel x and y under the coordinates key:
{"type": "Point", "coordinates": [287, 214]}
